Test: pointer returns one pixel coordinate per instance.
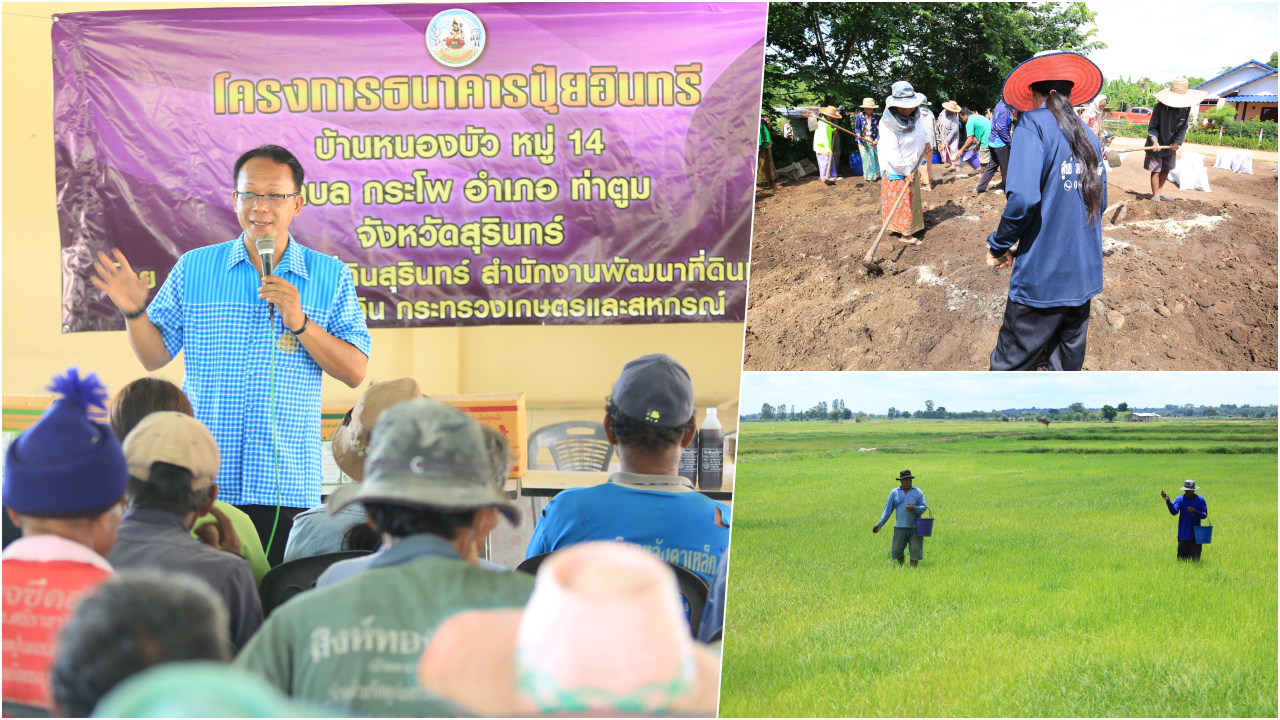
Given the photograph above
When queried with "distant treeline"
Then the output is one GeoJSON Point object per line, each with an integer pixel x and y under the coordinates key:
{"type": "Point", "coordinates": [1076, 412]}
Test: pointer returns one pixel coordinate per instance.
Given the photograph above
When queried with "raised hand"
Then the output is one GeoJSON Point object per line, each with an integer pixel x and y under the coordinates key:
{"type": "Point", "coordinates": [121, 284]}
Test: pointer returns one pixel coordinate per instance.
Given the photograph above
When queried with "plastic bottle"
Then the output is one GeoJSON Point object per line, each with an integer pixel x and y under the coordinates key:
{"type": "Point", "coordinates": [711, 452]}
{"type": "Point", "coordinates": [689, 461]}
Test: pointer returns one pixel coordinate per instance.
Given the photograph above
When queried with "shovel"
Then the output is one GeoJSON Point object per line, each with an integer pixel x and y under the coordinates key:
{"type": "Point", "coordinates": [1114, 156]}
{"type": "Point", "coordinates": [866, 260]}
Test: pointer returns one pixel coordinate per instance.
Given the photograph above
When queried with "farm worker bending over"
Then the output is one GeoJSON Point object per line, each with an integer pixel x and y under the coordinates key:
{"type": "Point", "coordinates": [1190, 508]}
{"type": "Point", "coordinates": [1056, 190]}
{"type": "Point", "coordinates": [907, 503]}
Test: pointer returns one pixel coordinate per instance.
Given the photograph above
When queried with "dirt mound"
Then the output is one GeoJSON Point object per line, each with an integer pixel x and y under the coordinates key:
{"type": "Point", "coordinates": [1188, 285]}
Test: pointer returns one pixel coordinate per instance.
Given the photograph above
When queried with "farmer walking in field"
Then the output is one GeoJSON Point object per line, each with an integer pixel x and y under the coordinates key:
{"type": "Point", "coordinates": [1056, 189]}
{"type": "Point", "coordinates": [1190, 509]}
{"type": "Point", "coordinates": [907, 504]}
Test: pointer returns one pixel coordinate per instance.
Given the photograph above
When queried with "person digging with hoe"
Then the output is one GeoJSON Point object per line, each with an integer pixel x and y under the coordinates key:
{"type": "Point", "coordinates": [1168, 129]}
{"type": "Point", "coordinates": [1190, 509]}
{"type": "Point", "coordinates": [907, 504]}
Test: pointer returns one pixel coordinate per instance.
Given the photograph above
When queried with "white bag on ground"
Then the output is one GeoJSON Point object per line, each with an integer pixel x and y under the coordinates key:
{"type": "Point", "coordinates": [1236, 160]}
{"type": "Point", "coordinates": [1189, 174]}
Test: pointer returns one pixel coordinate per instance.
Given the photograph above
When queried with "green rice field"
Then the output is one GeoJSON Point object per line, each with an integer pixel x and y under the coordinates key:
{"type": "Point", "coordinates": [1049, 588]}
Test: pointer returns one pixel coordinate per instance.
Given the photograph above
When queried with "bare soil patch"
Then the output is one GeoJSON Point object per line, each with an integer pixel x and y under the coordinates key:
{"type": "Point", "coordinates": [1188, 285]}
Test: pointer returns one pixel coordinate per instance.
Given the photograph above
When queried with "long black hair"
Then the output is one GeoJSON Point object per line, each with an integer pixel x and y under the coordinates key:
{"type": "Point", "coordinates": [1078, 137]}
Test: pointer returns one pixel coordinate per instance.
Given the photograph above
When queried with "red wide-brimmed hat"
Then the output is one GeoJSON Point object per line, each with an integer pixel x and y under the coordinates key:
{"type": "Point", "coordinates": [1075, 68]}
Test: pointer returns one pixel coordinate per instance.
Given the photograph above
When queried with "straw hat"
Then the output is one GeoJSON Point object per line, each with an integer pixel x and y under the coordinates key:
{"type": "Point", "coordinates": [1075, 68]}
{"type": "Point", "coordinates": [603, 634]}
{"type": "Point", "coordinates": [868, 103]}
{"type": "Point", "coordinates": [351, 439]}
{"type": "Point", "coordinates": [1179, 95]}
{"type": "Point", "coordinates": [951, 105]}
{"type": "Point", "coordinates": [830, 111]}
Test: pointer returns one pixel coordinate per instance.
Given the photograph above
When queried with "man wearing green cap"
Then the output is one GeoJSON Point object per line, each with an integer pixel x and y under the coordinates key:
{"type": "Point", "coordinates": [429, 490]}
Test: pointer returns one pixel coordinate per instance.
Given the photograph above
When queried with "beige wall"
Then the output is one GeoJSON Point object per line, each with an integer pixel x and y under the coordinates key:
{"type": "Point", "coordinates": [565, 371]}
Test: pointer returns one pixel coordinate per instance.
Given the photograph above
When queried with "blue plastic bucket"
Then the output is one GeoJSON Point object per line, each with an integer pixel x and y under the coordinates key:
{"type": "Point", "coordinates": [855, 164]}
{"type": "Point", "coordinates": [924, 526]}
{"type": "Point", "coordinates": [937, 159]}
{"type": "Point", "coordinates": [1203, 534]}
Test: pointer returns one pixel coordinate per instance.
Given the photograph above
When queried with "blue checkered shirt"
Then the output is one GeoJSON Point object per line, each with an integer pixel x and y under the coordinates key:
{"type": "Point", "coordinates": [209, 307]}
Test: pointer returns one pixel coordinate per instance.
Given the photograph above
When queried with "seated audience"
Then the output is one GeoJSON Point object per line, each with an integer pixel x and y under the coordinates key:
{"type": "Point", "coordinates": [650, 420]}
{"type": "Point", "coordinates": [499, 449]}
{"type": "Point", "coordinates": [429, 489]}
{"type": "Point", "coordinates": [226, 526]}
{"type": "Point", "coordinates": [601, 636]}
{"type": "Point", "coordinates": [130, 623]}
{"type": "Point", "coordinates": [64, 486]}
{"type": "Point", "coordinates": [315, 532]}
{"type": "Point", "coordinates": [173, 460]}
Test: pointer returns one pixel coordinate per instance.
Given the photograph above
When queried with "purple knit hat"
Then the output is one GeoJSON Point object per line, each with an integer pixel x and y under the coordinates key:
{"type": "Point", "coordinates": [66, 464]}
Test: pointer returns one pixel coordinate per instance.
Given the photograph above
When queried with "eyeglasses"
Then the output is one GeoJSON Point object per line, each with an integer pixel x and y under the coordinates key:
{"type": "Point", "coordinates": [273, 199]}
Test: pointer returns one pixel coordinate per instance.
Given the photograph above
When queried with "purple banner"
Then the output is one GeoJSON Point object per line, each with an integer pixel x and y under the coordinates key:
{"type": "Point", "coordinates": [471, 164]}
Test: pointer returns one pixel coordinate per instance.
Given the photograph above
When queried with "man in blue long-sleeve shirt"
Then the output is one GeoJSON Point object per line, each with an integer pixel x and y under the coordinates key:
{"type": "Point", "coordinates": [1190, 508]}
{"type": "Point", "coordinates": [907, 504]}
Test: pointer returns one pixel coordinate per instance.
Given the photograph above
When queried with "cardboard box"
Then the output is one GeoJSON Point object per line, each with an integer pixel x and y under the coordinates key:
{"type": "Point", "coordinates": [502, 412]}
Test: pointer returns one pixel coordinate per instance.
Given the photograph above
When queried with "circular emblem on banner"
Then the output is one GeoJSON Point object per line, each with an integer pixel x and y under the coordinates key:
{"type": "Point", "coordinates": [455, 38]}
{"type": "Point", "coordinates": [287, 342]}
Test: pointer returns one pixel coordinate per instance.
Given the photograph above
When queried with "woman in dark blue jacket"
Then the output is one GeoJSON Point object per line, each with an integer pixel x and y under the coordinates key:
{"type": "Point", "coordinates": [1056, 190]}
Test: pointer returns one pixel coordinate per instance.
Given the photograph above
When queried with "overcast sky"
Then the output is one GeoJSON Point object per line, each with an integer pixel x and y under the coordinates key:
{"type": "Point", "coordinates": [1191, 39]}
{"type": "Point", "coordinates": [875, 392]}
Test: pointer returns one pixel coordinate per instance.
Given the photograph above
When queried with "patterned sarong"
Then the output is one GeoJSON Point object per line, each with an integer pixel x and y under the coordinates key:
{"type": "Point", "coordinates": [870, 162]}
{"type": "Point", "coordinates": [950, 153]}
{"type": "Point", "coordinates": [908, 219]}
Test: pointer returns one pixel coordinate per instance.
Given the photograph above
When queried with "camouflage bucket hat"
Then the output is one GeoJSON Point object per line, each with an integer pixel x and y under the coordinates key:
{"type": "Point", "coordinates": [425, 453]}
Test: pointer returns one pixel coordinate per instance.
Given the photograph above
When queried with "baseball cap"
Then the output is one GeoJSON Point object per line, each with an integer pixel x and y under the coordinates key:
{"type": "Point", "coordinates": [175, 438]}
{"type": "Point", "coordinates": [427, 453]}
{"type": "Point", "coordinates": [655, 389]}
{"type": "Point", "coordinates": [351, 439]}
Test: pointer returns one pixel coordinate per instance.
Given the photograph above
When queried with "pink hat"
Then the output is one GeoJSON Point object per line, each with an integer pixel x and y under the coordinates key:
{"type": "Point", "coordinates": [603, 633]}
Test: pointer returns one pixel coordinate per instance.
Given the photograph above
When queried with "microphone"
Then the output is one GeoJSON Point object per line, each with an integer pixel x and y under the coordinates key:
{"type": "Point", "coordinates": [266, 252]}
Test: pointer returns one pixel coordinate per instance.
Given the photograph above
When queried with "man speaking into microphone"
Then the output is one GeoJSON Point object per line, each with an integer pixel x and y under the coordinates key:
{"type": "Point", "coordinates": [255, 343]}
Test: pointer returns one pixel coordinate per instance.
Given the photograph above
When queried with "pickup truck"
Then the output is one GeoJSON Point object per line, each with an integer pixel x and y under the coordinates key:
{"type": "Point", "coordinates": [1140, 115]}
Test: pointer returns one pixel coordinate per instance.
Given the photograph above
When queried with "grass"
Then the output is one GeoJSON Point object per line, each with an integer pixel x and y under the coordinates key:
{"type": "Point", "coordinates": [1050, 587]}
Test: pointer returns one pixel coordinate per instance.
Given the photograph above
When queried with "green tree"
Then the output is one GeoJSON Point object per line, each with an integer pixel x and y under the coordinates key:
{"type": "Point", "coordinates": [1210, 412]}
{"type": "Point", "coordinates": [942, 410]}
{"type": "Point", "coordinates": [1077, 407]}
{"type": "Point", "coordinates": [1109, 413]}
{"type": "Point", "coordinates": [1123, 407]}
{"type": "Point", "coordinates": [766, 412]}
{"type": "Point", "coordinates": [834, 416]}
{"type": "Point", "coordinates": [837, 53]}
{"type": "Point", "coordinates": [906, 414]}
{"type": "Point", "coordinates": [928, 405]}
{"type": "Point", "coordinates": [846, 413]}
{"type": "Point", "coordinates": [893, 413]}
{"type": "Point", "coordinates": [859, 417]}
{"type": "Point", "coordinates": [1272, 60]}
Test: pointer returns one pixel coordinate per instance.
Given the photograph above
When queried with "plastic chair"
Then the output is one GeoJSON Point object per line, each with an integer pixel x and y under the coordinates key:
{"type": "Point", "coordinates": [575, 451]}
{"type": "Point", "coordinates": [284, 581]}
{"type": "Point", "coordinates": [693, 588]}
